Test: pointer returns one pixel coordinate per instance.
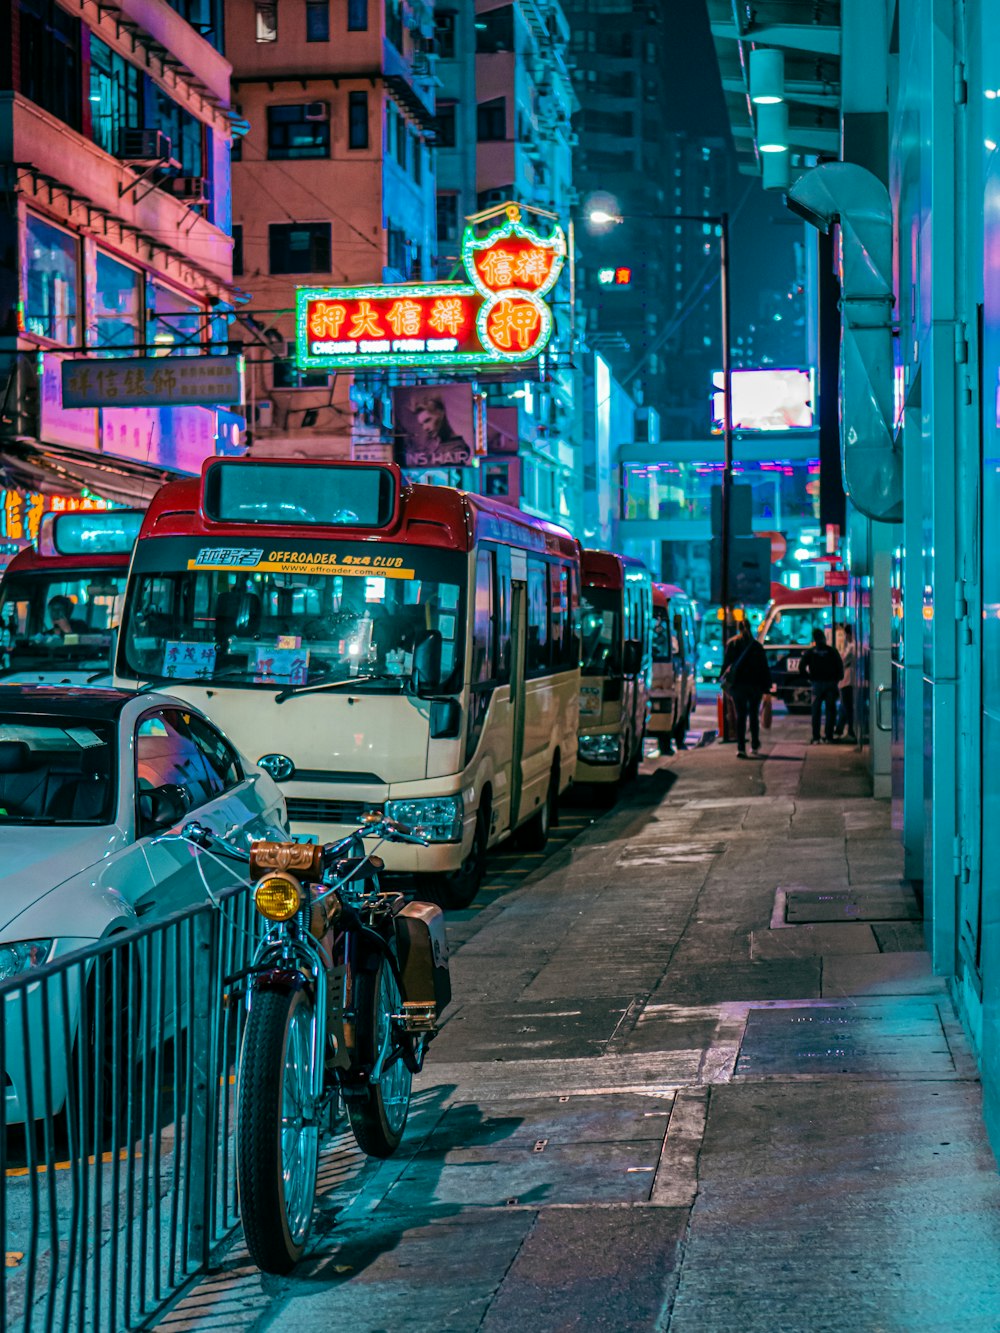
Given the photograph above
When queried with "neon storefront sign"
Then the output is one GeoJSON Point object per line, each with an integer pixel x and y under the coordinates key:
{"type": "Point", "coordinates": [498, 316]}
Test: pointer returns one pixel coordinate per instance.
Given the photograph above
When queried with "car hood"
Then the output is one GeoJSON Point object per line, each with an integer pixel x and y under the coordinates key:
{"type": "Point", "coordinates": [36, 859]}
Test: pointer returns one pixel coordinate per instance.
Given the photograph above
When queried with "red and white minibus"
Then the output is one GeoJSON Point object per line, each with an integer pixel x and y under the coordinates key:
{"type": "Point", "coordinates": [673, 693]}
{"type": "Point", "coordinates": [616, 625]}
{"type": "Point", "coordinates": [61, 601]}
{"type": "Point", "coordinates": [373, 645]}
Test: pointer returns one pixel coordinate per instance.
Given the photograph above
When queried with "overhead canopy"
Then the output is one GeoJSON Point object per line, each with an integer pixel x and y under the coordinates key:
{"type": "Point", "coordinates": [808, 32]}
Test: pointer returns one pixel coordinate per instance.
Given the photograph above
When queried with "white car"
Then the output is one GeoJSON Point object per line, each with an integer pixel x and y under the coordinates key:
{"type": "Point", "coordinates": [92, 783]}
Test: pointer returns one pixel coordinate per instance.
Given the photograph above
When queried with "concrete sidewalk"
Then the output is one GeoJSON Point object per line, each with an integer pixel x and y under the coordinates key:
{"type": "Point", "coordinates": [698, 1077]}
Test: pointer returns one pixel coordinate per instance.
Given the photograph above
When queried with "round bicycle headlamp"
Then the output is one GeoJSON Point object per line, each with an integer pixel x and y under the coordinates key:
{"type": "Point", "coordinates": [278, 897]}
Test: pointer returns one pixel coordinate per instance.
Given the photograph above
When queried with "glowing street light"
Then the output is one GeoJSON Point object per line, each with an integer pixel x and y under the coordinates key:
{"type": "Point", "coordinates": [601, 217]}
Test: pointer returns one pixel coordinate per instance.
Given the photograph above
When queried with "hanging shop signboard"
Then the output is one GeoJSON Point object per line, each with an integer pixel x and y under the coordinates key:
{"type": "Point", "coordinates": [497, 317]}
{"type": "Point", "coordinates": [152, 381]}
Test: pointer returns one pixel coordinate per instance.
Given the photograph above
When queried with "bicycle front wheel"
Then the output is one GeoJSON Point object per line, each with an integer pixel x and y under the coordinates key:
{"type": "Point", "coordinates": [277, 1134]}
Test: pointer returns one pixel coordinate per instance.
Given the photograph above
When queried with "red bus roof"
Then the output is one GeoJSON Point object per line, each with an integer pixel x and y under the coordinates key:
{"type": "Point", "coordinates": [663, 592]}
{"type": "Point", "coordinates": [606, 569]}
{"type": "Point", "coordinates": [782, 596]}
{"type": "Point", "coordinates": [29, 561]}
{"type": "Point", "coordinates": [425, 516]}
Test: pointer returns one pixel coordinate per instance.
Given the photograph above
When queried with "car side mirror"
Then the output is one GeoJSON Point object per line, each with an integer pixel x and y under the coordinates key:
{"type": "Point", "coordinates": [161, 807]}
{"type": "Point", "coordinates": [426, 674]}
{"type": "Point", "coordinates": [632, 657]}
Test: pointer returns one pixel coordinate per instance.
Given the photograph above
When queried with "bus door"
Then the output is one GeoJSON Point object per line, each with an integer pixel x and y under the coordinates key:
{"type": "Point", "coordinates": [518, 654]}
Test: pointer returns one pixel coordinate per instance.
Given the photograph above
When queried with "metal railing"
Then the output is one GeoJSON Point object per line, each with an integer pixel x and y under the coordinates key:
{"type": "Point", "coordinates": [117, 1156]}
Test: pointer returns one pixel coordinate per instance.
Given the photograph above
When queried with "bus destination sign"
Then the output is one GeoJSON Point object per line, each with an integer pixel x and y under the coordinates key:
{"type": "Point", "coordinates": [497, 316]}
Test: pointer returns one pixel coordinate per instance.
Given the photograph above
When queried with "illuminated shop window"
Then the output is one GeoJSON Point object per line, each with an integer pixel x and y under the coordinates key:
{"type": "Point", "coordinates": [53, 281]}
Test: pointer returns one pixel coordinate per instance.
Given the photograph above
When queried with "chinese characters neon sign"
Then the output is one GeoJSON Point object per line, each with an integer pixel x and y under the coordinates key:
{"type": "Point", "coordinates": [497, 316]}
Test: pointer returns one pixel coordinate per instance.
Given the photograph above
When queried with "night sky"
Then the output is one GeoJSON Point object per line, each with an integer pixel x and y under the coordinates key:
{"type": "Point", "coordinates": [763, 232]}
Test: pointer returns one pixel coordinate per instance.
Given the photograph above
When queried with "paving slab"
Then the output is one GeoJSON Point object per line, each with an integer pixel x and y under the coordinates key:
{"type": "Point", "coordinates": [813, 941]}
{"type": "Point", "coordinates": [859, 903]}
{"type": "Point", "coordinates": [880, 1039]}
{"type": "Point", "coordinates": [883, 974]}
{"type": "Point", "coordinates": [535, 1029]}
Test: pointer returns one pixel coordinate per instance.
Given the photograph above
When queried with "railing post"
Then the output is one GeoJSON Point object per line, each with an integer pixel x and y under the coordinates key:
{"type": "Point", "coordinates": [202, 1062]}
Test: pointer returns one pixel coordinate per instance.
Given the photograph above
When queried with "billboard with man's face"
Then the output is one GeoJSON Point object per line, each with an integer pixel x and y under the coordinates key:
{"type": "Point", "coordinates": [434, 426]}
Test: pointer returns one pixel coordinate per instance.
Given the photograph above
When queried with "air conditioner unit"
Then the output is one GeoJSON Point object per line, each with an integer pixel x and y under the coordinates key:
{"type": "Point", "coordinates": [145, 148]}
{"type": "Point", "coordinates": [192, 189]}
{"type": "Point", "coordinates": [264, 414]}
{"type": "Point", "coordinates": [317, 111]}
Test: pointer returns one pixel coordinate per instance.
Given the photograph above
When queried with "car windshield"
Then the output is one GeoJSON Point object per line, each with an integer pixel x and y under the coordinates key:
{"type": "Point", "coordinates": [56, 770]}
{"type": "Point", "coordinates": [665, 645]}
{"type": "Point", "coordinates": [249, 616]}
{"type": "Point", "coordinates": [600, 625]}
{"type": "Point", "coordinates": [795, 625]}
{"type": "Point", "coordinates": [58, 621]}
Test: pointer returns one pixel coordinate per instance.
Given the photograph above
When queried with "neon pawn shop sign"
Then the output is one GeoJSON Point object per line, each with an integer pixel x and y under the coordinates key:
{"type": "Point", "coordinates": [497, 317]}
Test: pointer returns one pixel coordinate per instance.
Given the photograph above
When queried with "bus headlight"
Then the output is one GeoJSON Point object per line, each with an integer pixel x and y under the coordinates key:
{"type": "Point", "coordinates": [603, 748]}
{"type": "Point", "coordinates": [438, 817]}
{"type": "Point", "coordinates": [278, 897]}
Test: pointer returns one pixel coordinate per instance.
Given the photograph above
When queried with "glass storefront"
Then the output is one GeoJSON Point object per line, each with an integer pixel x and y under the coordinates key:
{"type": "Point", "coordinates": [783, 490]}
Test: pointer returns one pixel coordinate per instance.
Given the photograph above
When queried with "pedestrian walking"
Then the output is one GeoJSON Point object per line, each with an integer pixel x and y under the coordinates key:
{"type": "Point", "coordinates": [822, 664]}
{"type": "Point", "coordinates": [746, 677]}
{"type": "Point", "coordinates": [845, 714]}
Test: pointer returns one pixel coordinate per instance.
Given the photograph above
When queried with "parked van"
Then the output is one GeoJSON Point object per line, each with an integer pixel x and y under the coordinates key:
{"type": "Point", "coordinates": [673, 693]}
{"type": "Point", "coordinates": [786, 632]}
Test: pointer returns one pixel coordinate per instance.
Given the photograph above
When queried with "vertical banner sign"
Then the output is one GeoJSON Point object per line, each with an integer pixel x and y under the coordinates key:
{"type": "Point", "coordinates": [497, 317]}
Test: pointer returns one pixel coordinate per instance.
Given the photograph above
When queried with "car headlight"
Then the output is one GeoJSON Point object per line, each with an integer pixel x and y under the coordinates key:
{"type": "Point", "coordinates": [603, 748]}
{"type": "Point", "coordinates": [439, 818]}
{"type": "Point", "coordinates": [16, 959]}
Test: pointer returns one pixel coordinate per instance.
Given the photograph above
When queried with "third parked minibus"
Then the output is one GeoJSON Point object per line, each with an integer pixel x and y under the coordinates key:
{"type": "Point", "coordinates": [616, 626]}
{"type": "Point", "coordinates": [672, 695]}
{"type": "Point", "coordinates": [375, 646]}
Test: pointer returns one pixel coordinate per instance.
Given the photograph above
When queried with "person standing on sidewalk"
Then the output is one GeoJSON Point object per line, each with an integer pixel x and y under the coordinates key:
{"type": "Point", "coordinates": [845, 714]}
{"type": "Point", "coordinates": [745, 677]}
{"type": "Point", "coordinates": [824, 667]}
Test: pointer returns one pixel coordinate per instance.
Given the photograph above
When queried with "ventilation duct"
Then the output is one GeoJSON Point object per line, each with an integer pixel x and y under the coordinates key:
{"type": "Point", "coordinates": [847, 194]}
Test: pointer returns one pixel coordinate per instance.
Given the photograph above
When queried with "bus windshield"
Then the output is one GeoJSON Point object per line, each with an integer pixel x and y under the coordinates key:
{"type": "Point", "coordinates": [53, 621]}
{"type": "Point", "coordinates": [665, 646]}
{"type": "Point", "coordinates": [796, 625]}
{"type": "Point", "coordinates": [244, 615]}
{"type": "Point", "coordinates": [601, 630]}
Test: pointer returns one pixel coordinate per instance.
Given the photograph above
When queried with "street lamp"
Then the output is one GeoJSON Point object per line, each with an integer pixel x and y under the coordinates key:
{"type": "Point", "coordinates": [601, 217]}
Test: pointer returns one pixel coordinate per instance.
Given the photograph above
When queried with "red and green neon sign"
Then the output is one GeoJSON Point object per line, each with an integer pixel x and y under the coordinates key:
{"type": "Point", "coordinates": [498, 316]}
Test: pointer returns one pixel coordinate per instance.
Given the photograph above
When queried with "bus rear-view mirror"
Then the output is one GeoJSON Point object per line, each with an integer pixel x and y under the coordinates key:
{"type": "Point", "coordinates": [427, 663]}
{"type": "Point", "coordinates": [632, 657]}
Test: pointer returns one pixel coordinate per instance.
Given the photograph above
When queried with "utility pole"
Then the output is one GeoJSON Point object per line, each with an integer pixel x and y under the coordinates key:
{"type": "Point", "coordinates": [727, 445]}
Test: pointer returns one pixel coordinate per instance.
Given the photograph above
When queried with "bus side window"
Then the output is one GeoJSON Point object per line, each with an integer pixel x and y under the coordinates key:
{"type": "Point", "coordinates": [537, 657]}
{"type": "Point", "coordinates": [502, 609]}
{"type": "Point", "coordinates": [559, 610]}
{"type": "Point", "coordinates": [483, 622]}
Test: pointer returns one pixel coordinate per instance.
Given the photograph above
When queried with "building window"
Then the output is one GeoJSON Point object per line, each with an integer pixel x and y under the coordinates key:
{"type": "Point", "coordinates": [487, 198]}
{"type": "Point", "coordinates": [444, 33]}
{"type": "Point", "coordinates": [115, 97]}
{"type": "Point", "coordinates": [50, 59]}
{"type": "Point", "coordinates": [491, 120]}
{"type": "Point", "coordinates": [118, 301]}
{"type": "Point", "coordinates": [357, 15]}
{"type": "Point", "coordinates": [495, 30]}
{"type": "Point", "coordinates": [298, 131]}
{"type": "Point", "coordinates": [172, 321]}
{"type": "Point", "coordinates": [237, 249]}
{"type": "Point", "coordinates": [444, 124]}
{"type": "Point", "coordinates": [53, 285]}
{"type": "Point", "coordinates": [417, 156]}
{"type": "Point", "coordinates": [357, 120]}
{"type": "Point", "coordinates": [401, 140]}
{"type": "Point", "coordinates": [299, 247]}
{"type": "Point", "coordinates": [317, 20]}
{"type": "Point", "coordinates": [287, 376]}
{"type": "Point", "coordinates": [447, 218]}
{"type": "Point", "coordinates": [267, 20]}
{"type": "Point", "coordinates": [398, 251]}
{"type": "Point", "coordinates": [394, 23]}
{"type": "Point", "coordinates": [185, 132]}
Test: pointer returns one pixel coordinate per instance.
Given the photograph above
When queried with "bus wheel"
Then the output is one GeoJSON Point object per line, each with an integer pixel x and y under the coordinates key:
{"type": "Point", "coordinates": [534, 833]}
{"type": "Point", "coordinates": [460, 887]}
